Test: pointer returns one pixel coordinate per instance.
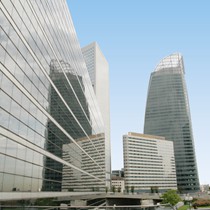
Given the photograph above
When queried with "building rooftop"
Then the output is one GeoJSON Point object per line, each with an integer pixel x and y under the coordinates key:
{"type": "Point", "coordinates": [171, 61]}
{"type": "Point", "coordinates": [145, 135]}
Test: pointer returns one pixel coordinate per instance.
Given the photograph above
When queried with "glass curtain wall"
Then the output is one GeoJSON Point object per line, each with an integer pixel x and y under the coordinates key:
{"type": "Point", "coordinates": [168, 114]}
{"type": "Point", "coordinates": [47, 104]}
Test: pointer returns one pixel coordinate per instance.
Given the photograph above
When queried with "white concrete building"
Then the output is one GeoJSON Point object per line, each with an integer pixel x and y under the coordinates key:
{"type": "Point", "coordinates": [98, 69]}
{"type": "Point", "coordinates": [148, 163]}
{"type": "Point", "coordinates": [119, 183]}
{"type": "Point", "coordinates": [74, 180]}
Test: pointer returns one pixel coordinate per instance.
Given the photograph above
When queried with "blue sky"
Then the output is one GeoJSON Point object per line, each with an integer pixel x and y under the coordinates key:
{"type": "Point", "coordinates": [134, 36]}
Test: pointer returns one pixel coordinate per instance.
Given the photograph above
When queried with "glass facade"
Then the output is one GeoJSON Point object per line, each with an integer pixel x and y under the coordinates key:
{"type": "Point", "coordinates": [50, 123]}
{"type": "Point", "coordinates": [168, 114]}
{"type": "Point", "coordinates": [148, 163]}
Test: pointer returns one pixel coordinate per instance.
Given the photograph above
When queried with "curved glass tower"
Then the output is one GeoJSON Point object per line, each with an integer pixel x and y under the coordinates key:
{"type": "Point", "coordinates": [168, 114]}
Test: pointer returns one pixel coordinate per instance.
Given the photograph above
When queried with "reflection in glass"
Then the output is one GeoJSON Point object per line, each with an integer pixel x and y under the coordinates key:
{"type": "Point", "coordinates": [61, 114]}
{"type": "Point", "coordinates": [48, 108]}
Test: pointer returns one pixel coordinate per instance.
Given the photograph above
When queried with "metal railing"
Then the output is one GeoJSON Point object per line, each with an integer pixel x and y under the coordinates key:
{"type": "Point", "coordinates": [100, 207]}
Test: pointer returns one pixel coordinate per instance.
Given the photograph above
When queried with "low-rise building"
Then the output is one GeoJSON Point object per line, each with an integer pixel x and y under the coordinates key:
{"type": "Point", "coordinates": [119, 173]}
{"type": "Point", "coordinates": [118, 183]}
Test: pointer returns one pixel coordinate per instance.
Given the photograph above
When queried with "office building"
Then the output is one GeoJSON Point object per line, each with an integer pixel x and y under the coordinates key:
{"type": "Point", "coordinates": [47, 104]}
{"type": "Point", "coordinates": [118, 183]}
{"type": "Point", "coordinates": [57, 110]}
{"type": "Point", "coordinates": [119, 173]}
{"type": "Point", "coordinates": [168, 114]}
{"type": "Point", "coordinates": [74, 180]}
{"type": "Point", "coordinates": [148, 163]}
{"type": "Point", "coordinates": [98, 69]}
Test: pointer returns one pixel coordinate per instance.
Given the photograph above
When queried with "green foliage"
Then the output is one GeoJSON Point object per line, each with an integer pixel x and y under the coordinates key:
{"type": "Point", "coordinates": [180, 190]}
{"type": "Point", "coordinates": [127, 189]}
{"type": "Point", "coordinates": [132, 189]}
{"type": "Point", "coordinates": [154, 189]}
{"type": "Point", "coordinates": [107, 189]}
{"type": "Point", "coordinates": [185, 207]}
{"type": "Point", "coordinates": [119, 189]}
{"type": "Point", "coordinates": [171, 197]}
{"type": "Point", "coordinates": [19, 203]}
{"type": "Point", "coordinates": [113, 189]}
{"type": "Point", "coordinates": [45, 202]}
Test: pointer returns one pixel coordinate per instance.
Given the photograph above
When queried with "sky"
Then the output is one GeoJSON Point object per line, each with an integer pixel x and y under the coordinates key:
{"type": "Point", "coordinates": [134, 35]}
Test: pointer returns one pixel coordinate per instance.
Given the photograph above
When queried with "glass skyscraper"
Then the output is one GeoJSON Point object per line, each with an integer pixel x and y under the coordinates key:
{"type": "Point", "coordinates": [168, 114]}
{"type": "Point", "coordinates": [52, 132]}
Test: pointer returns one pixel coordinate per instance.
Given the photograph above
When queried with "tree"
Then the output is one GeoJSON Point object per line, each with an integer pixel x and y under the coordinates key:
{"type": "Point", "coordinates": [119, 189]}
{"type": "Point", "coordinates": [127, 189]}
{"type": "Point", "coordinates": [154, 189]}
{"type": "Point", "coordinates": [113, 189]}
{"type": "Point", "coordinates": [180, 190]}
{"type": "Point", "coordinates": [132, 189]}
{"type": "Point", "coordinates": [107, 189]}
{"type": "Point", "coordinates": [171, 197]}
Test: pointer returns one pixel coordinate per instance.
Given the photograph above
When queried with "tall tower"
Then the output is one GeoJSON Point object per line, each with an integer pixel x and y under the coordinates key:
{"type": "Point", "coordinates": [51, 128]}
{"type": "Point", "coordinates": [98, 69]}
{"type": "Point", "coordinates": [168, 114]}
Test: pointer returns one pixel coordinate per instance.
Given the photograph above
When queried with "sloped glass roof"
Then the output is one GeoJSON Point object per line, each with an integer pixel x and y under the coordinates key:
{"type": "Point", "coordinates": [171, 61]}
